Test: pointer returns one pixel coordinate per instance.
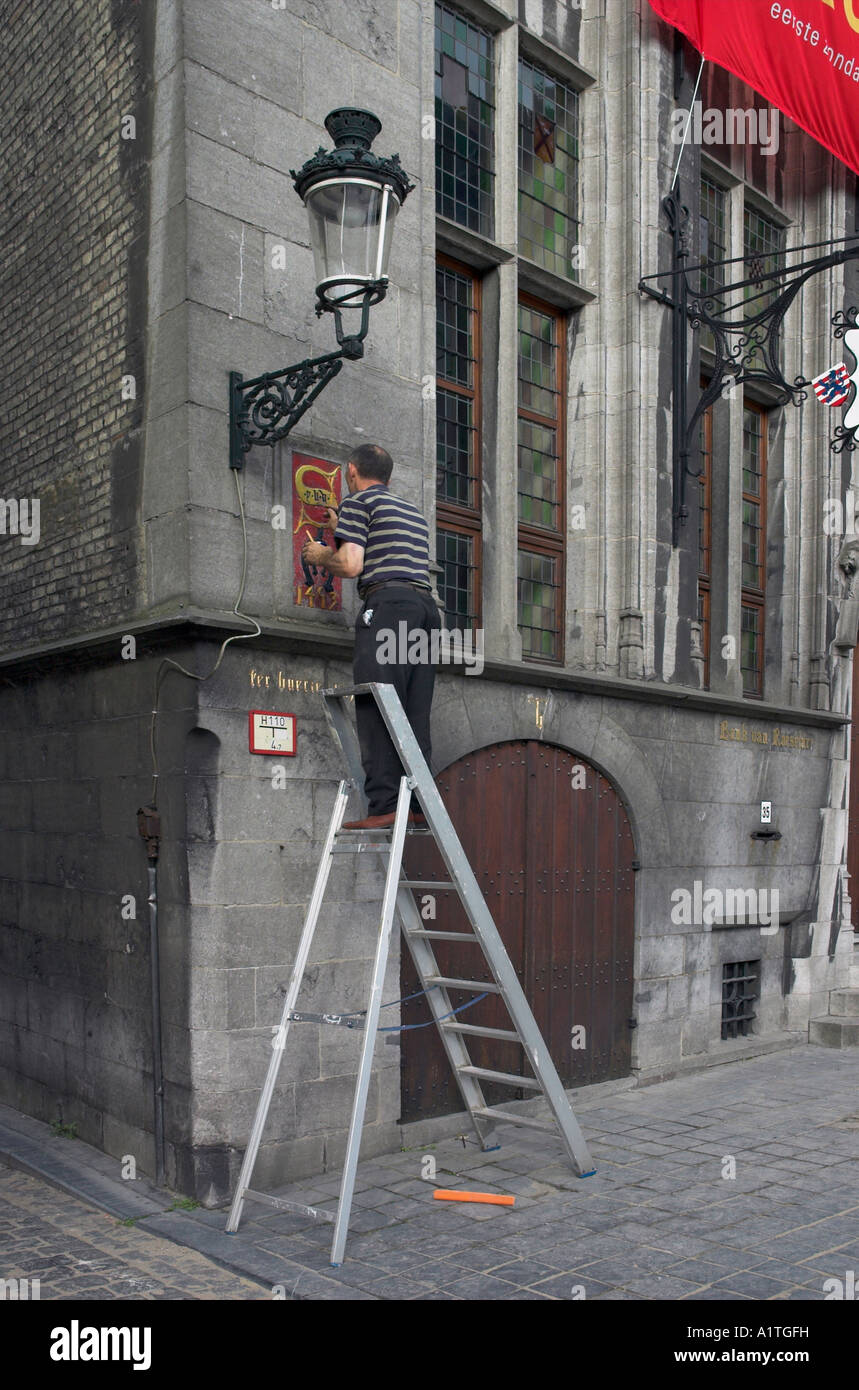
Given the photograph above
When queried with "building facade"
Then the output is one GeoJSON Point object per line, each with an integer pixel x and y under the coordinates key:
{"type": "Point", "coordinates": [635, 702]}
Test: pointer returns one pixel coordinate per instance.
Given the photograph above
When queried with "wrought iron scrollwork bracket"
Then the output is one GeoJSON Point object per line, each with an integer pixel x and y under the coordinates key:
{"type": "Point", "coordinates": [745, 349]}
{"type": "Point", "coordinates": [264, 409]}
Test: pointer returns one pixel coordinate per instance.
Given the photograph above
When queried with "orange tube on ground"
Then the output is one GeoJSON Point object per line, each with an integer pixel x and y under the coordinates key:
{"type": "Point", "coordinates": [493, 1198]}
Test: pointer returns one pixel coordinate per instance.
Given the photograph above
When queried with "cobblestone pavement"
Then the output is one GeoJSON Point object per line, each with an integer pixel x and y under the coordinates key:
{"type": "Point", "coordinates": [78, 1253]}
{"type": "Point", "coordinates": [737, 1183]}
{"type": "Point", "coordinates": [662, 1218]}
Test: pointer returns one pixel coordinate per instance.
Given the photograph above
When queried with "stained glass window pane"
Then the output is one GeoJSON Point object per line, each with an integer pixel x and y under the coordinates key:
{"type": "Point", "coordinates": [549, 231]}
{"type": "Point", "coordinates": [537, 605]}
{"type": "Point", "coordinates": [465, 121]}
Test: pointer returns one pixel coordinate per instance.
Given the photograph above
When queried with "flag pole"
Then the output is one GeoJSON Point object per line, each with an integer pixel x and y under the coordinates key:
{"type": "Point", "coordinates": [688, 121]}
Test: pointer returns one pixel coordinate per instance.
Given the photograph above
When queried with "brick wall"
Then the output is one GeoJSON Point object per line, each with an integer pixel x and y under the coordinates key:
{"type": "Point", "coordinates": [74, 200]}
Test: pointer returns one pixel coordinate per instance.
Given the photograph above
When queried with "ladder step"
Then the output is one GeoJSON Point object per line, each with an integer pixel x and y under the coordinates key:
{"type": "Point", "coordinates": [504, 1078]}
{"type": "Point", "coordinates": [362, 847]}
{"type": "Point", "coordinates": [445, 936]}
{"type": "Point", "coordinates": [503, 1034]}
{"type": "Point", "coordinates": [491, 1112]}
{"type": "Point", "coordinates": [425, 883]}
{"type": "Point", "coordinates": [489, 985]}
{"type": "Point", "coordinates": [283, 1204]}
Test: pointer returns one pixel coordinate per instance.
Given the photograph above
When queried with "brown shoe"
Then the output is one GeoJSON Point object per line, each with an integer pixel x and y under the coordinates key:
{"type": "Point", "coordinates": [382, 822]}
{"type": "Point", "coordinates": [371, 822]}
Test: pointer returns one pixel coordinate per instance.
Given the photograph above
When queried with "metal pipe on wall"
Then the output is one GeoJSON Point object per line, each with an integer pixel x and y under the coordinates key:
{"type": "Point", "coordinates": [149, 825]}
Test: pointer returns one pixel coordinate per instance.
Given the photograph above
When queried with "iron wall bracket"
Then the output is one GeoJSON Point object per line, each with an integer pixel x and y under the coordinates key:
{"type": "Point", "coordinates": [265, 408]}
{"type": "Point", "coordinates": [746, 348]}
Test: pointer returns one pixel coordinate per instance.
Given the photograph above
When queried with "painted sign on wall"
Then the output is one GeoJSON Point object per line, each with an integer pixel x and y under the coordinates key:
{"type": "Point", "coordinates": [315, 485]}
{"type": "Point", "coordinates": [271, 731]}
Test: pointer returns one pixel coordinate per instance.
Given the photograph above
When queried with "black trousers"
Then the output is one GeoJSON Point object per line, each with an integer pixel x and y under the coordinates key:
{"type": "Point", "coordinates": [381, 631]}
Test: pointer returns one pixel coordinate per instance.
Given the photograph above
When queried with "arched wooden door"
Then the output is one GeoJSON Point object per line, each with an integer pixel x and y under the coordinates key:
{"type": "Point", "coordinates": [550, 843]}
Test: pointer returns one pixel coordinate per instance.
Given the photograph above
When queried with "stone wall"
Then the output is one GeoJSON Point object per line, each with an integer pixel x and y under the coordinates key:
{"type": "Point", "coordinates": [242, 91]}
{"type": "Point", "coordinates": [75, 1016]}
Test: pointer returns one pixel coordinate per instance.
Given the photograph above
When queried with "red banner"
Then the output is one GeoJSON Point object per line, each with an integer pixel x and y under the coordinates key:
{"type": "Point", "coordinates": [802, 57]}
{"type": "Point", "coordinates": [315, 486]}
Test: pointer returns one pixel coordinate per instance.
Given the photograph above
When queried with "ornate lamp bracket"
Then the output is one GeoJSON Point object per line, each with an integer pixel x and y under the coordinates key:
{"type": "Point", "coordinates": [265, 408]}
{"type": "Point", "coordinates": [746, 347]}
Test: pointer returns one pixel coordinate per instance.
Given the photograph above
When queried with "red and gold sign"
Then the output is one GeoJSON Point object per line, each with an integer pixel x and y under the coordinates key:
{"type": "Point", "coordinates": [315, 486]}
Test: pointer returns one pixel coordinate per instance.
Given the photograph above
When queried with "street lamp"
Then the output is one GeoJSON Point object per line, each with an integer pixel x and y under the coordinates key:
{"type": "Point", "coordinates": [352, 198]}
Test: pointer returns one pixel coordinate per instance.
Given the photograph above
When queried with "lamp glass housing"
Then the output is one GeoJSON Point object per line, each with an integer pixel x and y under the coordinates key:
{"type": "Point", "coordinates": [351, 224]}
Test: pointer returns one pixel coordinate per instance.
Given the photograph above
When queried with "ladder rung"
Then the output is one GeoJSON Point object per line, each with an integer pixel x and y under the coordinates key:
{"type": "Point", "coordinates": [489, 985]}
{"type": "Point", "coordinates": [361, 846]}
{"type": "Point", "coordinates": [367, 830]}
{"type": "Point", "coordinates": [491, 1112]}
{"type": "Point", "coordinates": [504, 1078]}
{"type": "Point", "coordinates": [445, 935]}
{"type": "Point", "coordinates": [424, 883]}
{"type": "Point", "coordinates": [502, 1034]}
{"type": "Point", "coordinates": [283, 1204]}
{"type": "Point", "coordinates": [343, 692]}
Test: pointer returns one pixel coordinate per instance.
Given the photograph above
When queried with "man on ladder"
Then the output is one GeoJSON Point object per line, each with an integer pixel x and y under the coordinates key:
{"type": "Point", "coordinates": [383, 541]}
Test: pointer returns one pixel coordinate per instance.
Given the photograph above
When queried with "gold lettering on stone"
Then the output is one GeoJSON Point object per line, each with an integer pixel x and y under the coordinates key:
{"type": "Point", "coordinates": [260, 680]}
{"type": "Point", "coordinates": [774, 737]}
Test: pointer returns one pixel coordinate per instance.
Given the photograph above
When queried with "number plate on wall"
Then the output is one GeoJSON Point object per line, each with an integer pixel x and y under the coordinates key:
{"type": "Point", "coordinates": [269, 731]}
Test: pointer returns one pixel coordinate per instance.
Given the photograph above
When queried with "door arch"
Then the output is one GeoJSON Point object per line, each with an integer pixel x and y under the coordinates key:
{"type": "Point", "coordinates": [551, 846]}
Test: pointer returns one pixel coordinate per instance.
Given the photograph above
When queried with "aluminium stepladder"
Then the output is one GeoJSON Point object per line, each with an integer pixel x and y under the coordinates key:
{"type": "Point", "coordinates": [397, 897]}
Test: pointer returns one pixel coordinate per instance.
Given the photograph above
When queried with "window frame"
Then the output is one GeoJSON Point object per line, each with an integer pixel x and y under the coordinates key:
{"type": "Point", "coordinates": [484, 215]}
{"type": "Point", "coordinates": [752, 598]}
{"type": "Point", "coordinates": [705, 534]}
{"type": "Point", "coordinates": [453, 516]}
{"type": "Point", "coordinates": [575, 222]}
{"type": "Point", "coordinates": [713, 290]}
{"type": "Point", "coordinates": [530, 538]}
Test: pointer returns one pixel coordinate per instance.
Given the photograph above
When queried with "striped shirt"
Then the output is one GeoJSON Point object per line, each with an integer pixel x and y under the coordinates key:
{"type": "Point", "coordinates": [393, 533]}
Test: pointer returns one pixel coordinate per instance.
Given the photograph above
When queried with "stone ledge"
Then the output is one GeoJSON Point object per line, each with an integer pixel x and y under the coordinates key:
{"type": "Point", "coordinates": [336, 642]}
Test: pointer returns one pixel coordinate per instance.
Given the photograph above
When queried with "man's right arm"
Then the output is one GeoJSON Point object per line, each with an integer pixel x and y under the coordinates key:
{"type": "Point", "coordinates": [353, 524]}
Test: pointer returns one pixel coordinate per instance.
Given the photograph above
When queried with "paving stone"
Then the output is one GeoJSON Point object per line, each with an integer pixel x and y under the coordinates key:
{"type": "Point", "coordinates": [524, 1272]}
{"type": "Point", "coordinates": [698, 1271]}
{"type": "Point", "coordinates": [399, 1286]}
{"type": "Point", "coordinates": [637, 1231]}
{"type": "Point", "coordinates": [562, 1285]}
{"type": "Point", "coordinates": [731, 1259]}
{"type": "Point", "coordinates": [374, 1197]}
{"type": "Point", "coordinates": [523, 1294]}
{"type": "Point", "coordinates": [479, 1257]}
{"type": "Point", "coordinates": [661, 1286]}
{"type": "Point", "coordinates": [81, 1249]}
{"type": "Point", "coordinates": [713, 1295]}
{"type": "Point", "coordinates": [790, 1274]}
{"type": "Point", "coordinates": [576, 1254]}
{"type": "Point", "coordinates": [479, 1287]}
{"type": "Point", "coordinates": [362, 1276]}
{"type": "Point", "coordinates": [681, 1246]}
{"type": "Point", "coordinates": [754, 1284]}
